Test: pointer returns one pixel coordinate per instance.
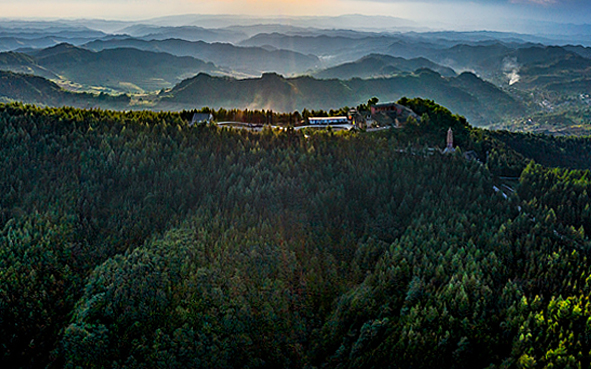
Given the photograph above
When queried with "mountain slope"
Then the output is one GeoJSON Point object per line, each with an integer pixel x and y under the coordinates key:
{"type": "Point", "coordinates": [376, 65]}
{"type": "Point", "coordinates": [23, 63]}
{"type": "Point", "coordinates": [27, 88]}
{"type": "Point", "coordinates": [581, 50]}
{"type": "Point", "coordinates": [125, 70]}
{"type": "Point", "coordinates": [554, 69]}
{"type": "Point", "coordinates": [38, 90]}
{"type": "Point", "coordinates": [504, 64]}
{"type": "Point", "coordinates": [333, 48]}
{"type": "Point", "coordinates": [251, 60]}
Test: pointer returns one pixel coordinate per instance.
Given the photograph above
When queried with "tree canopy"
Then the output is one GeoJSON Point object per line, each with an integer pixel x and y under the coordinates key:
{"type": "Point", "coordinates": [133, 240]}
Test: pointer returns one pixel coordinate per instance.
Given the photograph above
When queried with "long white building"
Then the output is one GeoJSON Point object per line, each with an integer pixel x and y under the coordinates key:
{"type": "Point", "coordinates": [329, 121]}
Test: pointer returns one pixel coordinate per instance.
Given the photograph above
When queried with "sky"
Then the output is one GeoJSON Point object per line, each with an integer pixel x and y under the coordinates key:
{"type": "Point", "coordinates": [470, 14]}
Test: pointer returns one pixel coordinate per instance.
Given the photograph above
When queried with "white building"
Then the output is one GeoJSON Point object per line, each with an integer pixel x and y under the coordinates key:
{"type": "Point", "coordinates": [329, 121]}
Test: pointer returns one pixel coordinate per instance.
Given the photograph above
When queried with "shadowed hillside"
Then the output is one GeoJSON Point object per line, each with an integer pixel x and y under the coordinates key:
{"type": "Point", "coordinates": [38, 90]}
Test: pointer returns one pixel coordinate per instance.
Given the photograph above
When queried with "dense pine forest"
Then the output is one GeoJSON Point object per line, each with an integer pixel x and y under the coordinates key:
{"type": "Point", "coordinates": [134, 240]}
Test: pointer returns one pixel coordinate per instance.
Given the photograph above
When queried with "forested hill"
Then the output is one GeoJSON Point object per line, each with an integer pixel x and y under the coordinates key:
{"type": "Point", "coordinates": [132, 240]}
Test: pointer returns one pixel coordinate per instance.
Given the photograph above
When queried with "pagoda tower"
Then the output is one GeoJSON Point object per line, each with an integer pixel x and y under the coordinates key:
{"type": "Point", "coordinates": [450, 142]}
{"type": "Point", "coordinates": [450, 139]}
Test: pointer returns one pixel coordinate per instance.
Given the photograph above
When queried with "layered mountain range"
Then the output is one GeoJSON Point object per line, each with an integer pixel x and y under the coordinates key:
{"type": "Point", "coordinates": [488, 76]}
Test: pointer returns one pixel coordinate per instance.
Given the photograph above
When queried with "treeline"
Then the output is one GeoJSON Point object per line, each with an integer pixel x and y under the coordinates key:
{"type": "Point", "coordinates": [131, 240]}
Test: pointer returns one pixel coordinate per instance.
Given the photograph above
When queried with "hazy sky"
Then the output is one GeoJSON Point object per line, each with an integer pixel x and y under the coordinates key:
{"type": "Point", "coordinates": [447, 11]}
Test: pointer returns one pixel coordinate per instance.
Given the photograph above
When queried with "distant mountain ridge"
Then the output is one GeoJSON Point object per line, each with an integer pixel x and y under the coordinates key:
{"type": "Point", "coordinates": [333, 49]}
{"type": "Point", "coordinates": [188, 33]}
{"type": "Point", "coordinates": [349, 21]}
{"type": "Point", "coordinates": [252, 60]}
{"type": "Point", "coordinates": [316, 44]}
{"type": "Point", "coordinates": [44, 29]}
{"type": "Point", "coordinates": [276, 92]}
{"type": "Point", "coordinates": [377, 65]}
{"type": "Point", "coordinates": [147, 70]}
{"type": "Point", "coordinates": [125, 70]}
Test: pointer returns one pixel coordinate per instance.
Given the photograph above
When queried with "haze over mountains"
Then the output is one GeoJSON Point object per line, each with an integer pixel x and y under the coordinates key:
{"type": "Point", "coordinates": [293, 63]}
